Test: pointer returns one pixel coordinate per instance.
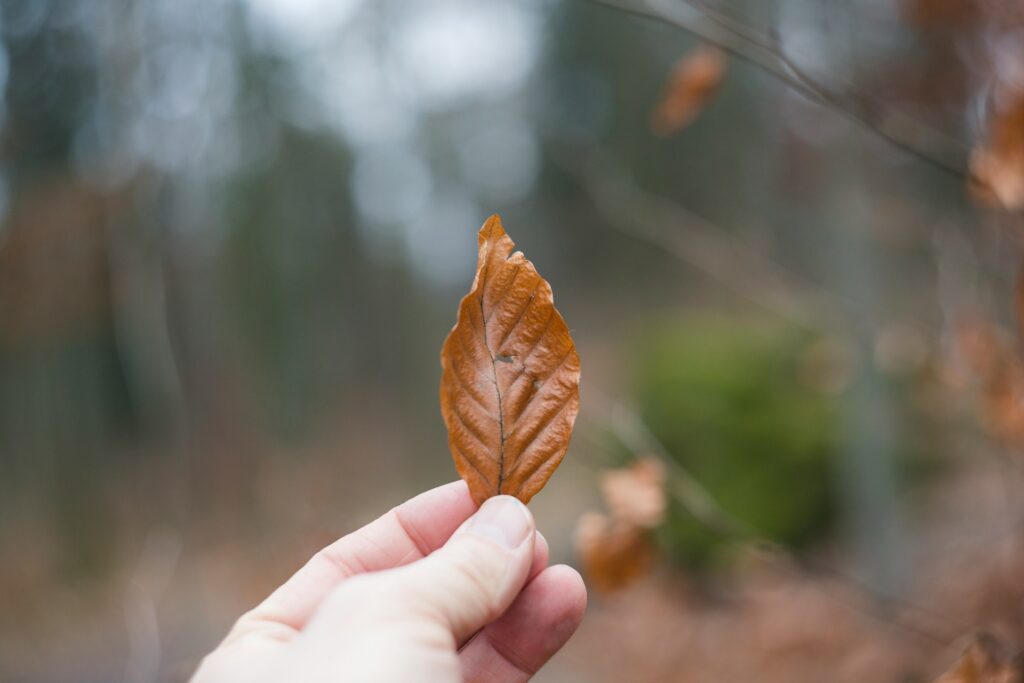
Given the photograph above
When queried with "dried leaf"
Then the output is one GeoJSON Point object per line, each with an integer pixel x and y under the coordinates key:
{"type": "Point", "coordinates": [997, 167]}
{"type": "Point", "coordinates": [613, 552]}
{"type": "Point", "coordinates": [693, 82]}
{"type": "Point", "coordinates": [981, 347]}
{"type": "Point", "coordinates": [1001, 379]}
{"type": "Point", "coordinates": [986, 660]}
{"type": "Point", "coordinates": [510, 380]}
{"type": "Point", "coordinates": [636, 494]}
{"type": "Point", "coordinates": [1018, 302]}
{"type": "Point", "coordinates": [933, 14]}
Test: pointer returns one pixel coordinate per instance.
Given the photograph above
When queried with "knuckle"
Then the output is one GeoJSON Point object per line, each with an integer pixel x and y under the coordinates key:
{"type": "Point", "coordinates": [482, 580]}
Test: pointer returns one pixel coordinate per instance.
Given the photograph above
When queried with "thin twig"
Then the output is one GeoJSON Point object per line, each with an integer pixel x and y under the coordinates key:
{"type": "Point", "coordinates": [705, 246]}
{"type": "Point", "coordinates": [697, 500]}
{"type": "Point", "coordinates": [636, 436]}
{"type": "Point", "coordinates": [765, 51]}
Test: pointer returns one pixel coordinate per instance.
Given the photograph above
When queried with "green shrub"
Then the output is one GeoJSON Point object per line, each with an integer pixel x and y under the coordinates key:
{"type": "Point", "coordinates": [725, 398]}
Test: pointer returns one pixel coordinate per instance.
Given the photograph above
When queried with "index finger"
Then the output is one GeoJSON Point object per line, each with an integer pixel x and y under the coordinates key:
{"type": "Point", "coordinates": [405, 534]}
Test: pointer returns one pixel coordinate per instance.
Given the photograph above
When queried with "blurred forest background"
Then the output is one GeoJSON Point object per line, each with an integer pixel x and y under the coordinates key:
{"type": "Point", "coordinates": [785, 235]}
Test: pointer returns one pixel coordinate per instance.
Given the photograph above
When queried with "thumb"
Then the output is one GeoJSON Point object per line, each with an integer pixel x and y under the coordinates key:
{"type": "Point", "coordinates": [464, 585]}
{"type": "Point", "coordinates": [473, 578]}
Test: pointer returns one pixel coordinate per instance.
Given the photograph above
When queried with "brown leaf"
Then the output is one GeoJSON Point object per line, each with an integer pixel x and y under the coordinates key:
{"type": "Point", "coordinates": [986, 660]}
{"type": "Point", "coordinates": [997, 166]}
{"type": "Point", "coordinates": [613, 552]}
{"type": "Point", "coordinates": [1018, 302]}
{"type": "Point", "coordinates": [932, 14]}
{"type": "Point", "coordinates": [510, 380]}
{"type": "Point", "coordinates": [693, 82]}
{"type": "Point", "coordinates": [1001, 379]}
{"type": "Point", "coordinates": [636, 494]}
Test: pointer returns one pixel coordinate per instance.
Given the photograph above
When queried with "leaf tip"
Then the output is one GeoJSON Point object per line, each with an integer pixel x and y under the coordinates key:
{"type": "Point", "coordinates": [491, 229]}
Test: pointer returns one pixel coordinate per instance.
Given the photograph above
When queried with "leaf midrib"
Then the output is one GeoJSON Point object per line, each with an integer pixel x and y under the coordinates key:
{"type": "Point", "coordinates": [494, 378]}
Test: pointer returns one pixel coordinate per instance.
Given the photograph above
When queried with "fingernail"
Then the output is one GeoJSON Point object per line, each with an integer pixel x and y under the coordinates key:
{"type": "Point", "coordinates": [502, 519]}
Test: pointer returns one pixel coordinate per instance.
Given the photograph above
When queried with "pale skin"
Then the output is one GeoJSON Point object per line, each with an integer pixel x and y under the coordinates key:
{"type": "Point", "coordinates": [432, 591]}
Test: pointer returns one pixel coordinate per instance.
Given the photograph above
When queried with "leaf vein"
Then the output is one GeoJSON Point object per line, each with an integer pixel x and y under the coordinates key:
{"type": "Point", "coordinates": [501, 299]}
{"type": "Point", "coordinates": [494, 377]}
{"type": "Point", "coordinates": [469, 429]}
{"type": "Point", "coordinates": [472, 462]}
{"type": "Point", "coordinates": [461, 381]}
{"type": "Point", "coordinates": [523, 456]}
{"type": "Point", "coordinates": [519, 318]}
{"type": "Point", "coordinates": [544, 382]}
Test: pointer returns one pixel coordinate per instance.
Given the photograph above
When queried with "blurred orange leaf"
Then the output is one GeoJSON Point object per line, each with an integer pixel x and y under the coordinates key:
{"type": "Point", "coordinates": [694, 80]}
{"type": "Point", "coordinates": [1018, 302]}
{"type": "Point", "coordinates": [942, 13]}
{"type": "Point", "coordinates": [617, 549]}
{"type": "Point", "coordinates": [613, 552]}
{"type": "Point", "coordinates": [986, 660]}
{"type": "Point", "coordinates": [997, 165]}
{"type": "Point", "coordinates": [1001, 378]}
{"type": "Point", "coordinates": [510, 379]}
{"type": "Point", "coordinates": [636, 494]}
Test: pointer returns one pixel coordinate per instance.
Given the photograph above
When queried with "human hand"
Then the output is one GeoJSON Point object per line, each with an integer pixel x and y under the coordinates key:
{"type": "Point", "coordinates": [428, 592]}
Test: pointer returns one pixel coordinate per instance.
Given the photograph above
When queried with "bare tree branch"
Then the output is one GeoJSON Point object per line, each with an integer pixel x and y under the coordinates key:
{"type": "Point", "coordinates": [635, 435]}
{"type": "Point", "coordinates": [765, 50]}
{"type": "Point", "coordinates": [705, 246]}
{"type": "Point", "coordinates": [683, 486]}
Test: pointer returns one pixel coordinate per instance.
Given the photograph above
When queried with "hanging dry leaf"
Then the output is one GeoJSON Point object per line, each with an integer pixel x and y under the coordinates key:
{"type": "Point", "coordinates": [986, 660]}
{"type": "Point", "coordinates": [510, 379]}
{"type": "Point", "coordinates": [1001, 380]}
{"type": "Point", "coordinates": [613, 552]}
{"type": "Point", "coordinates": [981, 347]}
{"type": "Point", "coordinates": [944, 14]}
{"type": "Point", "coordinates": [693, 82]}
{"type": "Point", "coordinates": [636, 494]}
{"type": "Point", "coordinates": [997, 167]}
{"type": "Point", "coordinates": [1018, 302]}
{"type": "Point", "coordinates": [617, 549]}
